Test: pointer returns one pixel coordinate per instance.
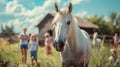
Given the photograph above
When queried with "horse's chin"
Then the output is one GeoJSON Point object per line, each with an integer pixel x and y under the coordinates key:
{"type": "Point", "coordinates": [59, 49]}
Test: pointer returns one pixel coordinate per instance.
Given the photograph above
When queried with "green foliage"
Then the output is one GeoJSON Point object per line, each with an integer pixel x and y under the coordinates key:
{"type": "Point", "coordinates": [105, 27]}
{"type": "Point", "coordinates": [7, 31]}
{"type": "Point", "coordinates": [117, 30]}
{"type": "Point", "coordinates": [113, 16]}
{"type": "Point", "coordinates": [100, 59]}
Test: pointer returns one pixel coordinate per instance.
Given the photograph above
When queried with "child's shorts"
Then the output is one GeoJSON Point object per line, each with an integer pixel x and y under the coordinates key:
{"type": "Point", "coordinates": [33, 54]}
{"type": "Point", "coordinates": [24, 46]}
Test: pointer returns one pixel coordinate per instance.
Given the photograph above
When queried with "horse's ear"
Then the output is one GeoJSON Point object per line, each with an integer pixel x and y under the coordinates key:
{"type": "Point", "coordinates": [56, 7]}
{"type": "Point", "coordinates": [70, 7]}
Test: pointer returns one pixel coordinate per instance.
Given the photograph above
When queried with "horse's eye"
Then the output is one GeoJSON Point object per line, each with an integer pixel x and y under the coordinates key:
{"type": "Point", "coordinates": [68, 23]}
{"type": "Point", "coordinates": [54, 24]}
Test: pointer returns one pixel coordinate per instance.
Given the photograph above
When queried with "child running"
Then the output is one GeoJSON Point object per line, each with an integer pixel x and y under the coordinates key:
{"type": "Point", "coordinates": [33, 45]}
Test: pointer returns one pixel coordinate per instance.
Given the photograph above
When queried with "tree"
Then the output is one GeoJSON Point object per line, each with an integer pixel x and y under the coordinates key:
{"type": "Point", "coordinates": [8, 30]}
{"type": "Point", "coordinates": [113, 16]}
{"type": "Point", "coordinates": [105, 27]}
{"type": "Point", "coordinates": [2, 28]}
{"type": "Point", "coordinates": [118, 21]}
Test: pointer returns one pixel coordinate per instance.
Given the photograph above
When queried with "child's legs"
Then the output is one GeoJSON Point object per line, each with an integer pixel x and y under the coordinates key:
{"type": "Point", "coordinates": [35, 57]}
{"type": "Point", "coordinates": [32, 63]}
{"type": "Point", "coordinates": [31, 57]}
{"type": "Point", "coordinates": [36, 61]}
{"type": "Point", "coordinates": [22, 54]}
{"type": "Point", "coordinates": [48, 50]}
{"type": "Point", "coordinates": [25, 50]}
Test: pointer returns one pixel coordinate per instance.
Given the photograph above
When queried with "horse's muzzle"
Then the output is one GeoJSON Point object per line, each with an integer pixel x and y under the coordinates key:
{"type": "Point", "coordinates": [59, 45]}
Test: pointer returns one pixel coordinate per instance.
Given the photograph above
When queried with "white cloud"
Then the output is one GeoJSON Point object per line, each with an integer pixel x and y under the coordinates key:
{"type": "Point", "coordinates": [14, 22]}
{"type": "Point", "coordinates": [49, 3]}
{"type": "Point", "coordinates": [27, 3]}
{"type": "Point", "coordinates": [24, 17]}
{"type": "Point", "coordinates": [36, 11]}
{"type": "Point", "coordinates": [76, 1]}
{"type": "Point", "coordinates": [3, 1]}
{"type": "Point", "coordinates": [81, 13]}
{"type": "Point", "coordinates": [106, 18]}
{"type": "Point", "coordinates": [13, 7]}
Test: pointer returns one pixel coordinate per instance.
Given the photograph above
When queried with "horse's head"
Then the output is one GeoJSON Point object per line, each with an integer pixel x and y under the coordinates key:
{"type": "Point", "coordinates": [61, 25]}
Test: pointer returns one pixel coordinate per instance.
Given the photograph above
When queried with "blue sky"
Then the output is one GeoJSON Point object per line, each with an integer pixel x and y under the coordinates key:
{"type": "Point", "coordinates": [28, 13]}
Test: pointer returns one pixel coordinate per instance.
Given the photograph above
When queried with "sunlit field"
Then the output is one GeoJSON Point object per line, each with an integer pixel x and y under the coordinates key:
{"type": "Point", "coordinates": [10, 56]}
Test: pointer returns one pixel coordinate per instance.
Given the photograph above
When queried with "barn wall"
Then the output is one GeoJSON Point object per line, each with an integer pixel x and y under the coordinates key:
{"type": "Point", "coordinates": [88, 30]}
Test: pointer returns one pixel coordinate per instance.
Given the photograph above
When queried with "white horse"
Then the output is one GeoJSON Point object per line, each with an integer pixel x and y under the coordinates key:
{"type": "Point", "coordinates": [70, 40]}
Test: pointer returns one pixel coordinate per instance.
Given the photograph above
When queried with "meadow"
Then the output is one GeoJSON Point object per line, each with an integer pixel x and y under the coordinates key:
{"type": "Point", "coordinates": [10, 57]}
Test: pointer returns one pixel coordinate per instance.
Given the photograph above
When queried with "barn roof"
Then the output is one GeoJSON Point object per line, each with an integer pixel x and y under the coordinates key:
{"type": "Point", "coordinates": [46, 21]}
{"type": "Point", "coordinates": [85, 24]}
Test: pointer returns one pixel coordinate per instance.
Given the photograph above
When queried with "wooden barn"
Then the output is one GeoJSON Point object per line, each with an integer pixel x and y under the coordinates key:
{"type": "Point", "coordinates": [44, 25]}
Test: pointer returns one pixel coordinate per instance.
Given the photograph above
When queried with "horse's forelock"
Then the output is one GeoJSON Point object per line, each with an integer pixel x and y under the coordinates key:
{"type": "Point", "coordinates": [62, 13]}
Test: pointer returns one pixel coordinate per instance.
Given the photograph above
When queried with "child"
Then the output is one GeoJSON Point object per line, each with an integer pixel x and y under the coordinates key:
{"type": "Point", "coordinates": [48, 42]}
{"type": "Point", "coordinates": [113, 57]}
{"type": "Point", "coordinates": [24, 45]}
{"type": "Point", "coordinates": [115, 38]}
{"type": "Point", "coordinates": [33, 45]}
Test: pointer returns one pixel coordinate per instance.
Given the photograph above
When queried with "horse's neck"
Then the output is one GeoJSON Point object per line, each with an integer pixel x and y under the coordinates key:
{"type": "Point", "coordinates": [72, 38]}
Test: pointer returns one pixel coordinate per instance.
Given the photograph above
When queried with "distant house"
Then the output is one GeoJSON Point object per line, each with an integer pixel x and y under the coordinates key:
{"type": "Point", "coordinates": [7, 34]}
{"type": "Point", "coordinates": [44, 25]}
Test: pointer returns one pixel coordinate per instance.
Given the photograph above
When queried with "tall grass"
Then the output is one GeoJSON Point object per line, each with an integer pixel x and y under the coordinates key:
{"type": "Point", "coordinates": [11, 56]}
{"type": "Point", "coordinates": [100, 59]}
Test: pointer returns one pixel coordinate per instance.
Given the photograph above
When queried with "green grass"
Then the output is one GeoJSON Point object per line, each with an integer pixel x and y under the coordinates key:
{"type": "Point", "coordinates": [100, 58]}
{"type": "Point", "coordinates": [50, 61]}
{"type": "Point", "coordinates": [11, 54]}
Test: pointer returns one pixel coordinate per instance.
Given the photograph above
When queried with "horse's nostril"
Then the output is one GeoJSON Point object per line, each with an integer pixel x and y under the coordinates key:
{"type": "Point", "coordinates": [61, 43]}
